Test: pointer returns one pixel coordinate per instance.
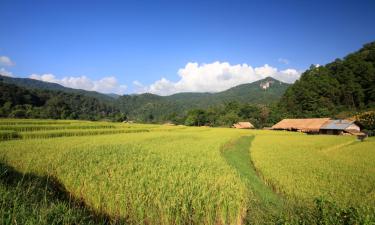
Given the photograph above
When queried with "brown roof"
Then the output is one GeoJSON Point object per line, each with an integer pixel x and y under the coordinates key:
{"type": "Point", "coordinates": [312, 124]}
{"type": "Point", "coordinates": [243, 125]}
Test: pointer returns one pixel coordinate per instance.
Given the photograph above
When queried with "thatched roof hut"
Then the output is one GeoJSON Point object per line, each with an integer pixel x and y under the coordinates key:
{"type": "Point", "coordinates": [310, 125]}
{"type": "Point", "coordinates": [243, 125]}
{"type": "Point", "coordinates": [169, 124]}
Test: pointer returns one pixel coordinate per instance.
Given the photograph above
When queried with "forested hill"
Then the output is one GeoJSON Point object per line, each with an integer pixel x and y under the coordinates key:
{"type": "Point", "coordinates": [346, 84]}
{"type": "Point", "coordinates": [150, 107]}
{"type": "Point", "coordinates": [23, 97]}
{"type": "Point", "coordinates": [263, 91]}
{"type": "Point", "coordinates": [41, 85]}
{"type": "Point", "coordinates": [19, 102]}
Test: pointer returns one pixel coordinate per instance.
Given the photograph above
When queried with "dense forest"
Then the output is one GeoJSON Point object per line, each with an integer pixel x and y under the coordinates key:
{"type": "Point", "coordinates": [341, 89]}
{"type": "Point", "coordinates": [18, 102]}
{"type": "Point", "coordinates": [150, 108]}
{"type": "Point", "coordinates": [344, 85]}
{"type": "Point", "coordinates": [155, 108]}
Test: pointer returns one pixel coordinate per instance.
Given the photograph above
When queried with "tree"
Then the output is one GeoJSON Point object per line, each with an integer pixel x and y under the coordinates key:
{"type": "Point", "coordinates": [196, 117]}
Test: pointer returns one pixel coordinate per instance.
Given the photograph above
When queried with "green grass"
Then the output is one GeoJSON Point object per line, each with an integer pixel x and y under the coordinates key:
{"type": "Point", "coordinates": [181, 175]}
{"type": "Point", "coordinates": [265, 205]}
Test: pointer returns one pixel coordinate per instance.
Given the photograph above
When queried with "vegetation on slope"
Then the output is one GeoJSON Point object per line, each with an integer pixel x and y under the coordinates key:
{"type": "Point", "coordinates": [344, 85]}
{"type": "Point", "coordinates": [151, 108]}
{"type": "Point", "coordinates": [18, 102]}
{"type": "Point", "coordinates": [33, 84]}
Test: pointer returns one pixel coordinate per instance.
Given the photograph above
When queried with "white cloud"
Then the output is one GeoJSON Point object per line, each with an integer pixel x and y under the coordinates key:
{"type": "Point", "coordinates": [283, 61]}
{"type": "Point", "coordinates": [6, 73]}
{"type": "Point", "coordinates": [104, 85]}
{"type": "Point", "coordinates": [6, 61]}
{"type": "Point", "coordinates": [214, 77]}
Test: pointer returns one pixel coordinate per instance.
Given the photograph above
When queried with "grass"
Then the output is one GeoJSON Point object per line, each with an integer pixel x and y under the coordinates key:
{"type": "Point", "coordinates": [181, 175]}
{"type": "Point", "coordinates": [265, 205]}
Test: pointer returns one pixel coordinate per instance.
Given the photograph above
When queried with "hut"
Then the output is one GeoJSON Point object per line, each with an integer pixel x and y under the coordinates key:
{"type": "Point", "coordinates": [243, 125]}
{"type": "Point", "coordinates": [311, 125]}
{"type": "Point", "coordinates": [340, 127]}
{"type": "Point", "coordinates": [169, 124]}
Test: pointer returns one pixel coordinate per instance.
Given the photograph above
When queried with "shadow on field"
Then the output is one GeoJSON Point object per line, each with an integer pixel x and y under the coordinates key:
{"type": "Point", "coordinates": [31, 199]}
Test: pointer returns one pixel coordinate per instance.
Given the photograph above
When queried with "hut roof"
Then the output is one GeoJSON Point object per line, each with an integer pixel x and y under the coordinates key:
{"type": "Point", "coordinates": [337, 125]}
{"type": "Point", "coordinates": [243, 125]}
{"type": "Point", "coordinates": [311, 124]}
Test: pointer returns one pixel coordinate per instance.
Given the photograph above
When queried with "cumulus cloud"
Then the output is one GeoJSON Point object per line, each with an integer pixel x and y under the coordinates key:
{"type": "Point", "coordinates": [283, 61]}
{"type": "Point", "coordinates": [104, 85]}
{"type": "Point", "coordinates": [6, 61]}
{"type": "Point", "coordinates": [6, 73]}
{"type": "Point", "coordinates": [214, 77]}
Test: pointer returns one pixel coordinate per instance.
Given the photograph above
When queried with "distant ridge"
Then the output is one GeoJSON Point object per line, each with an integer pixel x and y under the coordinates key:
{"type": "Point", "coordinates": [262, 92]}
{"type": "Point", "coordinates": [252, 93]}
{"type": "Point", "coordinates": [42, 85]}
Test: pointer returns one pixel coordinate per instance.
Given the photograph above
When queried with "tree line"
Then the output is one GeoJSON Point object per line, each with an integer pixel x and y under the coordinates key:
{"type": "Point", "coordinates": [18, 102]}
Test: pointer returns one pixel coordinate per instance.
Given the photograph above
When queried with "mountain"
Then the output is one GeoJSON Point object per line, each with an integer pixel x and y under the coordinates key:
{"type": "Point", "coordinates": [346, 84]}
{"type": "Point", "coordinates": [262, 92]}
{"type": "Point", "coordinates": [20, 102]}
{"type": "Point", "coordinates": [141, 107]}
{"type": "Point", "coordinates": [42, 85]}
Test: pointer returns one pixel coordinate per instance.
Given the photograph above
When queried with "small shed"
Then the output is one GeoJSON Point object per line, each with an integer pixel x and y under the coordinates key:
{"type": "Point", "coordinates": [243, 125]}
{"type": "Point", "coordinates": [339, 127]}
{"type": "Point", "coordinates": [310, 125]}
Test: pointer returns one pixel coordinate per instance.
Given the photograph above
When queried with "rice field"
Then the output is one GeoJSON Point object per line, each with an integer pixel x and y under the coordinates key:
{"type": "Point", "coordinates": [305, 169]}
{"type": "Point", "coordinates": [115, 173]}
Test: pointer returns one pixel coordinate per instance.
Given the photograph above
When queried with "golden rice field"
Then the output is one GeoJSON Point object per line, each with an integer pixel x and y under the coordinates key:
{"type": "Point", "coordinates": [158, 174]}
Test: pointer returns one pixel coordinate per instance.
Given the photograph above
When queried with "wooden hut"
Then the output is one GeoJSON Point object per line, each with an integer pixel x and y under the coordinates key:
{"type": "Point", "coordinates": [243, 125]}
{"type": "Point", "coordinates": [311, 125]}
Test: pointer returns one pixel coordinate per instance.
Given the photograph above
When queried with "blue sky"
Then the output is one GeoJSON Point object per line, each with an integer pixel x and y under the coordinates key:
{"type": "Point", "coordinates": [165, 47]}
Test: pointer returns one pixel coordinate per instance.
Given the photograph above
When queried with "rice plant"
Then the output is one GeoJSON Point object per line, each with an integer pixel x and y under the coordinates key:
{"type": "Point", "coordinates": [305, 168]}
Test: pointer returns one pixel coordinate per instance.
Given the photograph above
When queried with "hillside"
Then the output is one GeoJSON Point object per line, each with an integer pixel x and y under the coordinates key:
{"type": "Point", "coordinates": [20, 102]}
{"type": "Point", "coordinates": [41, 85]}
{"type": "Point", "coordinates": [142, 107]}
{"type": "Point", "coordinates": [346, 84]}
{"type": "Point", "coordinates": [262, 92]}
